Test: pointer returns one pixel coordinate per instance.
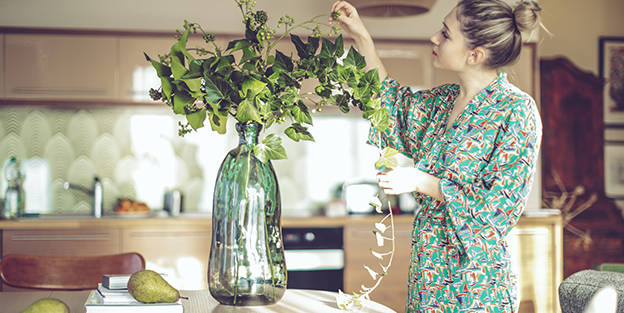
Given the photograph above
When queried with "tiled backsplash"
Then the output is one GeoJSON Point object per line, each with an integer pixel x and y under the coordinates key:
{"type": "Point", "coordinates": [137, 153]}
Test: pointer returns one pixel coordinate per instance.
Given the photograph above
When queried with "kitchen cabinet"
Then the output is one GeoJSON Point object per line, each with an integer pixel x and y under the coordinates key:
{"type": "Point", "coordinates": [522, 73]}
{"type": "Point", "coordinates": [136, 74]}
{"type": "Point", "coordinates": [180, 251]}
{"type": "Point", "coordinates": [536, 247]}
{"type": "Point", "coordinates": [409, 63]}
{"type": "Point", "coordinates": [60, 66]}
{"type": "Point", "coordinates": [1, 65]}
{"type": "Point", "coordinates": [60, 242]}
{"type": "Point", "coordinates": [358, 243]}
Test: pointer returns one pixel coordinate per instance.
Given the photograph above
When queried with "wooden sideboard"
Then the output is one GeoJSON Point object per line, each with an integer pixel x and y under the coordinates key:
{"type": "Point", "coordinates": [180, 247]}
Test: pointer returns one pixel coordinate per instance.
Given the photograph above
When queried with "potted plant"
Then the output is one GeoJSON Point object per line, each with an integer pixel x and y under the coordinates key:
{"type": "Point", "coordinates": [258, 86]}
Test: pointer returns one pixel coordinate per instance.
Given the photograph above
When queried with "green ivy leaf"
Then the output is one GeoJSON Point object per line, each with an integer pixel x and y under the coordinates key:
{"type": "Point", "coordinates": [367, 86]}
{"type": "Point", "coordinates": [302, 50]}
{"type": "Point", "coordinates": [195, 70]}
{"type": "Point", "coordinates": [239, 44]}
{"type": "Point", "coordinates": [298, 132]}
{"type": "Point", "coordinates": [354, 58]}
{"type": "Point", "coordinates": [282, 62]}
{"type": "Point", "coordinates": [180, 100]}
{"type": "Point", "coordinates": [161, 69]}
{"type": "Point", "coordinates": [167, 89]}
{"type": "Point", "coordinates": [379, 119]}
{"type": "Point", "coordinates": [248, 54]}
{"type": "Point", "coordinates": [328, 50]}
{"type": "Point", "coordinates": [218, 121]}
{"type": "Point", "coordinates": [247, 111]}
{"type": "Point", "coordinates": [196, 119]}
{"type": "Point", "coordinates": [387, 159]}
{"type": "Point", "coordinates": [339, 46]}
{"type": "Point", "coordinates": [252, 87]}
{"type": "Point", "coordinates": [270, 149]}
{"type": "Point", "coordinates": [301, 114]}
{"type": "Point", "coordinates": [194, 85]}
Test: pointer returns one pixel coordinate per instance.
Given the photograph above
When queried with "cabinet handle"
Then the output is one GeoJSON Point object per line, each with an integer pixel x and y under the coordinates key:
{"type": "Point", "coordinates": [40, 91]}
{"type": "Point", "coordinates": [60, 237]}
{"type": "Point", "coordinates": [169, 234]}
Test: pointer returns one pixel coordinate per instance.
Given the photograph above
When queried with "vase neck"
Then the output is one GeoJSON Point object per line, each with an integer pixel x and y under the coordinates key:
{"type": "Point", "coordinates": [248, 133]}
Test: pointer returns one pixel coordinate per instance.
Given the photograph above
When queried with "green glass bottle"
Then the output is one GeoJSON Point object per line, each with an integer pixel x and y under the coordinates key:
{"type": "Point", "coordinates": [13, 204]}
{"type": "Point", "coordinates": [246, 264]}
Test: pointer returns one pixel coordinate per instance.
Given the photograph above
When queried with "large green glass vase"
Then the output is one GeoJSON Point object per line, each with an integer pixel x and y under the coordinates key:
{"type": "Point", "coordinates": [246, 264]}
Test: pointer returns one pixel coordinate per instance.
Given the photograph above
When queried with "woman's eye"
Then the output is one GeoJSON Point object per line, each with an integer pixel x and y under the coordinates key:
{"type": "Point", "coordinates": [445, 34]}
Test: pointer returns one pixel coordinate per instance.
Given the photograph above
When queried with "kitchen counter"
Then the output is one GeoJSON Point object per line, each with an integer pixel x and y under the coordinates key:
{"type": "Point", "coordinates": [74, 222]}
{"type": "Point", "coordinates": [180, 247]}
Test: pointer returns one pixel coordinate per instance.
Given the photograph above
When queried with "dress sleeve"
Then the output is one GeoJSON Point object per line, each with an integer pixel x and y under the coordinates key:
{"type": "Point", "coordinates": [481, 213]}
{"type": "Point", "coordinates": [409, 113]}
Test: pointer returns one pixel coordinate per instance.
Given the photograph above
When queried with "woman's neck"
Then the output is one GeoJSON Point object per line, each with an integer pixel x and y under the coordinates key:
{"type": "Point", "coordinates": [472, 82]}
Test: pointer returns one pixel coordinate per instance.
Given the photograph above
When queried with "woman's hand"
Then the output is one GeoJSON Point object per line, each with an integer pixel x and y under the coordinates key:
{"type": "Point", "coordinates": [350, 20]}
{"type": "Point", "coordinates": [409, 179]}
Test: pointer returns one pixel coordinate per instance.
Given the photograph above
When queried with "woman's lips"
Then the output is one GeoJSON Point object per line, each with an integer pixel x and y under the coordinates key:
{"type": "Point", "coordinates": [434, 53]}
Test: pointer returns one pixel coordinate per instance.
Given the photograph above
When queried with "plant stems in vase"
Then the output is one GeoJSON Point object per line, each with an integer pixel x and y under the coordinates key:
{"type": "Point", "coordinates": [247, 257]}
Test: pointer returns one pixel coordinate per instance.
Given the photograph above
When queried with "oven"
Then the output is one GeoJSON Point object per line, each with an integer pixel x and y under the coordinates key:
{"type": "Point", "coordinates": [314, 257]}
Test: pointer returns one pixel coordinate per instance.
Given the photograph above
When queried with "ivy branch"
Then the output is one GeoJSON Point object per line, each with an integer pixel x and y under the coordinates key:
{"type": "Point", "coordinates": [387, 159]}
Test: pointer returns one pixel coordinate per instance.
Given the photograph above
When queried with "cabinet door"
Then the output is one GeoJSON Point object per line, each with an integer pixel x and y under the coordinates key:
{"type": "Point", "coordinates": [522, 73]}
{"type": "Point", "coordinates": [359, 240]}
{"type": "Point", "coordinates": [536, 255]}
{"type": "Point", "coordinates": [46, 66]}
{"type": "Point", "coordinates": [409, 63]}
{"type": "Point", "coordinates": [1, 65]}
{"type": "Point", "coordinates": [180, 252]}
{"type": "Point", "coordinates": [136, 74]}
{"type": "Point", "coordinates": [80, 242]}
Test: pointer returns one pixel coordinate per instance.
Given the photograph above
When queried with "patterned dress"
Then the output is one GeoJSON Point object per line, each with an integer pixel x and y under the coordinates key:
{"type": "Point", "coordinates": [460, 260]}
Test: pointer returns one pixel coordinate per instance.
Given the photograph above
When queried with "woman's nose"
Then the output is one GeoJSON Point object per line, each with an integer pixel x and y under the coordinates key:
{"type": "Point", "coordinates": [434, 38]}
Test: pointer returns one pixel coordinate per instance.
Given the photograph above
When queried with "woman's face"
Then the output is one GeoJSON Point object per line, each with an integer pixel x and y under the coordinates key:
{"type": "Point", "coordinates": [450, 51]}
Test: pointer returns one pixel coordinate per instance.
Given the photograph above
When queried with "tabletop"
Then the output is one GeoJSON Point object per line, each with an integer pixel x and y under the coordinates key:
{"type": "Point", "coordinates": [294, 301]}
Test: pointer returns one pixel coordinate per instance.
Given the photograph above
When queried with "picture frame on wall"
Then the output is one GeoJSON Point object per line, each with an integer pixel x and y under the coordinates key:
{"type": "Point", "coordinates": [614, 170]}
{"type": "Point", "coordinates": [611, 69]}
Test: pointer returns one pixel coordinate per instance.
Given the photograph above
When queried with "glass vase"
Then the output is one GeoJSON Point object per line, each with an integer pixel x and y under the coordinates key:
{"type": "Point", "coordinates": [246, 264]}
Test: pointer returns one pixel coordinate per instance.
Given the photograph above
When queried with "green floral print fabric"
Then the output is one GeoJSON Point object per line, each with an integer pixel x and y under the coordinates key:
{"type": "Point", "coordinates": [486, 160]}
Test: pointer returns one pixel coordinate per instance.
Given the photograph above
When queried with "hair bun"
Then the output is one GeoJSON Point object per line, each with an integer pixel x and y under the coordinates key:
{"type": "Point", "coordinates": [526, 15]}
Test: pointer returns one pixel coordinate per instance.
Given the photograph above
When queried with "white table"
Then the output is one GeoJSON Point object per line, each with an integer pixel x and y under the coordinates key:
{"type": "Point", "coordinates": [294, 301]}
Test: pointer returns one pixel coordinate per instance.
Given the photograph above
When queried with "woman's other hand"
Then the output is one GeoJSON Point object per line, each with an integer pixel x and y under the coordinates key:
{"type": "Point", "coordinates": [400, 180]}
{"type": "Point", "coordinates": [349, 20]}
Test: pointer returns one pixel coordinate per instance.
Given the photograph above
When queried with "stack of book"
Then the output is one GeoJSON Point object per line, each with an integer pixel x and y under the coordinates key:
{"type": "Point", "coordinates": [112, 296]}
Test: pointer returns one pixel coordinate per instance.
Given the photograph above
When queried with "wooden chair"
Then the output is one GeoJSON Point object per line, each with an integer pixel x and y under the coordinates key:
{"type": "Point", "coordinates": [65, 273]}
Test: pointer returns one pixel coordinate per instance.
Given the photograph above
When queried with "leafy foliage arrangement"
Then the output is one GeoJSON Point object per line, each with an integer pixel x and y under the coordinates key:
{"type": "Point", "coordinates": [252, 81]}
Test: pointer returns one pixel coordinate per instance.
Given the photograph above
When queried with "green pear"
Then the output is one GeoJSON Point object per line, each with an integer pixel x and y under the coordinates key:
{"type": "Point", "coordinates": [47, 305]}
{"type": "Point", "coordinates": [148, 286]}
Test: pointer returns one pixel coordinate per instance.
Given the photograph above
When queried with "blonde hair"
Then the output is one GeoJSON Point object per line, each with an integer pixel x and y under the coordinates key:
{"type": "Point", "coordinates": [496, 26]}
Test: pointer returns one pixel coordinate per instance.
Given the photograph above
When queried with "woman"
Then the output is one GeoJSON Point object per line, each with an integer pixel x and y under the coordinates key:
{"type": "Point", "coordinates": [475, 145]}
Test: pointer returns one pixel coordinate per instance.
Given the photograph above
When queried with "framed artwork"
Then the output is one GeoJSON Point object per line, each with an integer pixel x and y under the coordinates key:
{"type": "Point", "coordinates": [614, 170]}
{"type": "Point", "coordinates": [611, 68]}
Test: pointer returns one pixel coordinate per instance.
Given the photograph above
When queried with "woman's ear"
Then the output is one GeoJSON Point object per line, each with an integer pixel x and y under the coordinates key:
{"type": "Point", "coordinates": [477, 56]}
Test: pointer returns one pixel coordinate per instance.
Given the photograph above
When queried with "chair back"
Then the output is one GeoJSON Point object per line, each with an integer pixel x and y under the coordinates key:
{"type": "Point", "coordinates": [65, 273]}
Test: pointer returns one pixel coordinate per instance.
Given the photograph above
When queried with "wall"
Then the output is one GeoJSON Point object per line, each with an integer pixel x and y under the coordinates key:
{"type": "Point", "coordinates": [217, 16]}
{"type": "Point", "coordinates": [576, 26]}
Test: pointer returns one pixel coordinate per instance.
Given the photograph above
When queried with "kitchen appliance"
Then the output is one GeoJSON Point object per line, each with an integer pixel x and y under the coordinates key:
{"type": "Point", "coordinates": [173, 202]}
{"type": "Point", "coordinates": [314, 257]}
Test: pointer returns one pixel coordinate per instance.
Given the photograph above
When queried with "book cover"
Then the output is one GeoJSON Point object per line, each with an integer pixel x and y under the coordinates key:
{"type": "Point", "coordinates": [115, 295]}
{"type": "Point", "coordinates": [95, 304]}
{"type": "Point", "coordinates": [112, 281]}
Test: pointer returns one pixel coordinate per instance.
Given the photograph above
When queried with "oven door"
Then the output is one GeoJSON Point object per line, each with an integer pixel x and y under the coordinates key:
{"type": "Point", "coordinates": [314, 258]}
{"type": "Point", "coordinates": [315, 269]}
